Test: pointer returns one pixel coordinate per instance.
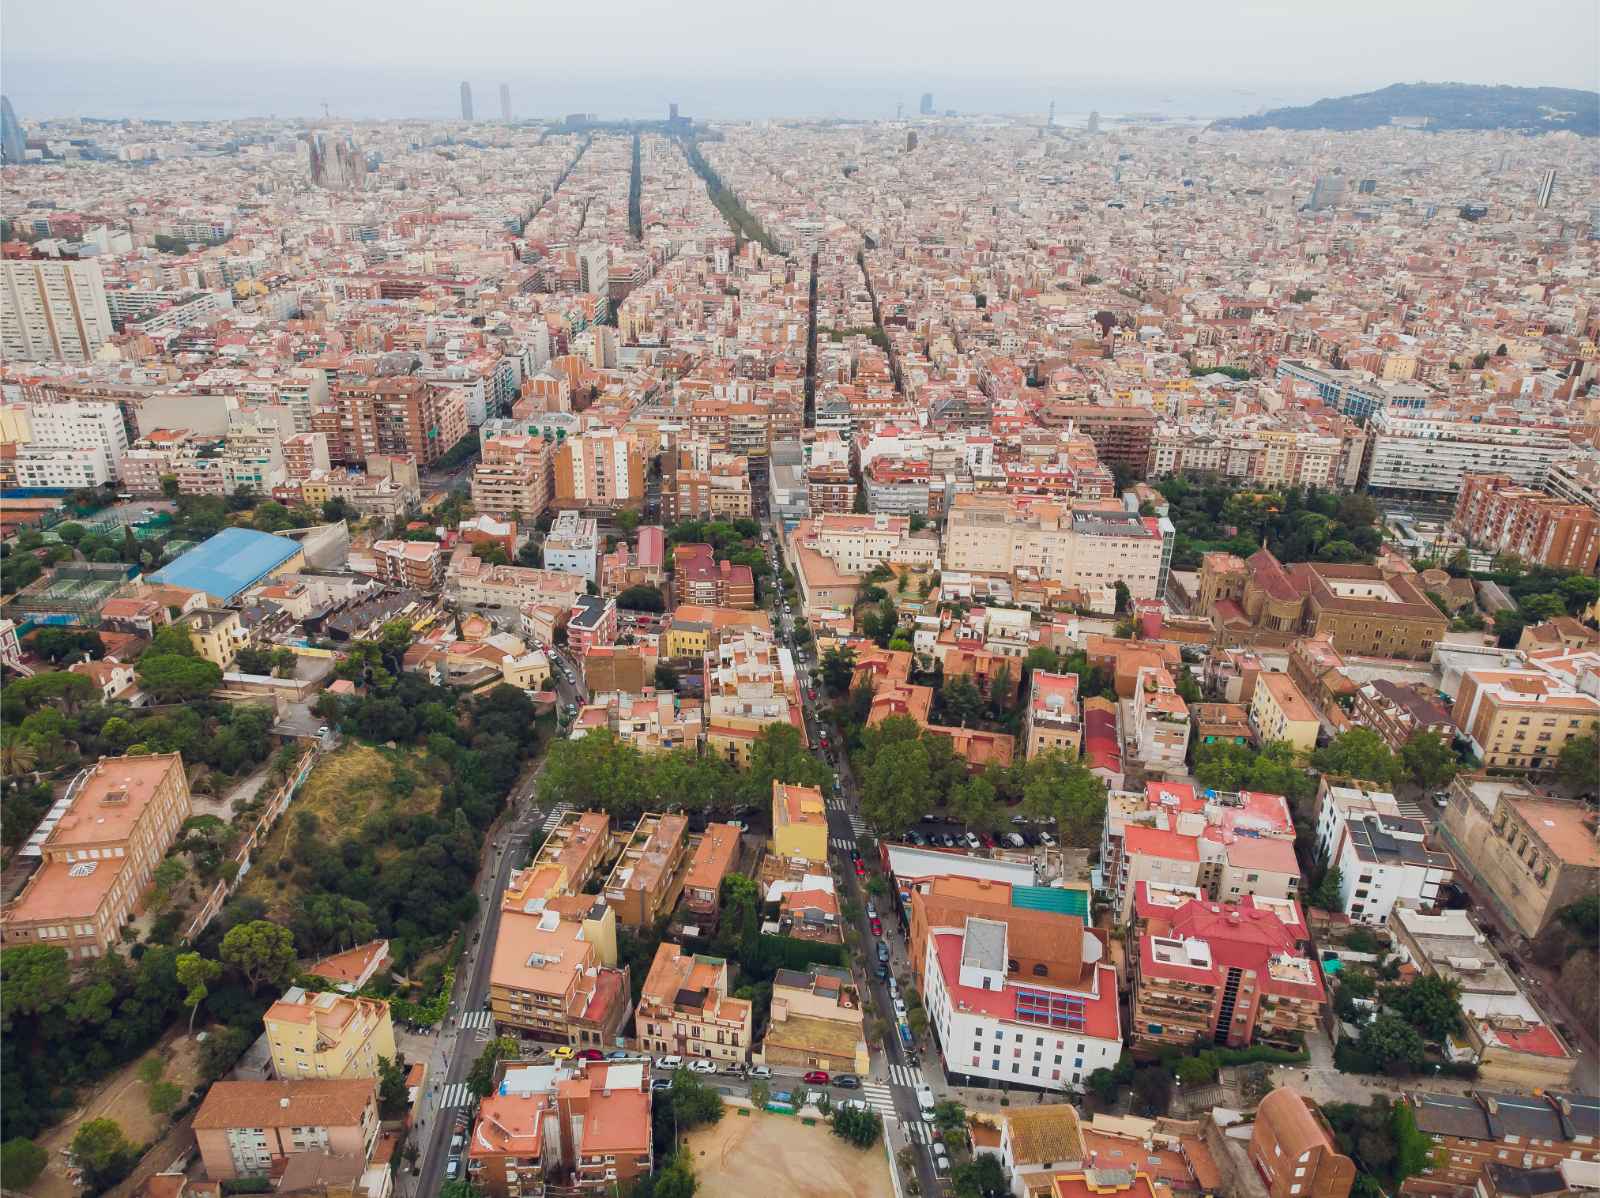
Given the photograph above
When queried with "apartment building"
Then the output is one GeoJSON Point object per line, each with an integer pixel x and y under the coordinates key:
{"type": "Point", "coordinates": [749, 683]}
{"type": "Point", "coordinates": [53, 310]}
{"type": "Point", "coordinates": [1384, 858]}
{"type": "Point", "coordinates": [573, 546]}
{"type": "Point", "coordinates": [1054, 719]}
{"type": "Point", "coordinates": [1009, 1006]}
{"type": "Point", "coordinates": [328, 1035]}
{"type": "Point", "coordinates": [799, 823]}
{"type": "Point", "coordinates": [648, 876]}
{"type": "Point", "coordinates": [816, 1022]}
{"type": "Point", "coordinates": [469, 580]}
{"type": "Point", "coordinates": [514, 476]}
{"type": "Point", "coordinates": [694, 629]}
{"type": "Point", "coordinates": [97, 848]}
{"type": "Point", "coordinates": [856, 543]}
{"type": "Point", "coordinates": [686, 1010]}
{"type": "Point", "coordinates": [830, 489]}
{"type": "Point", "coordinates": [305, 454]}
{"type": "Point", "coordinates": [58, 467]}
{"type": "Point", "coordinates": [251, 1129]}
{"type": "Point", "coordinates": [1226, 844]}
{"type": "Point", "coordinates": [1521, 719]}
{"type": "Point", "coordinates": [550, 980]}
{"type": "Point", "coordinates": [1471, 1132]}
{"type": "Point", "coordinates": [699, 579]}
{"type": "Point", "coordinates": [579, 1128]}
{"type": "Point", "coordinates": [1397, 713]}
{"type": "Point", "coordinates": [1229, 974]}
{"type": "Point", "coordinates": [395, 416]}
{"type": "Point", "coordinates": [713, 859]}
{"type": "Point", "coordinates": [578, 845]}
{"type": "Point", "coordinates": [651, 721]}
{"type": "Point", "coordinates": [1427, 455]}
{"type": "Point", "coordinates": [216, 633]}
{"type": "Point", "coordinates": [720, 492]}
{"type": "Point", "coordinates": [1498, 515]}
{"type": "Point", "coordinates": [1327, 457]}
{"type": "Point", "coordinates": [81, 425]}
{"type": "Point", "coordinates": [1160, 721]}
{"type": "Point", "coordinates": [414, 565]}
{"type": "Point", "coordinates": [1294, 1150]}
{"type": "Point", "coordinates": [592, 621]}
{"type": "Point", "coordinates": [599, 468]}
{"type": "Point", "coordinates": [1529, 854]}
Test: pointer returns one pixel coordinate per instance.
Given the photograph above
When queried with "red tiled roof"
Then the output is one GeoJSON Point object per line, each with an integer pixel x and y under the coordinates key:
{"type": "Point", "coordinates": [1158, 842]}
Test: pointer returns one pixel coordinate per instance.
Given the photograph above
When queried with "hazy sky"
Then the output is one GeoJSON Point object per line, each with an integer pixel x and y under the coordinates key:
{"type": "Point", "coordinates": [194, 58]}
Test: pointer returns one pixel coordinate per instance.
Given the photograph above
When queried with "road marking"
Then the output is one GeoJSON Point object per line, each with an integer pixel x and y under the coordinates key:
{"type": "Point", "coordinates": [905, 1075]}
{"type": "Point", "coordinates": [840, 842]}
{"type": "Point", "coordinates": [879, 1097]}
{"type": "Point", "coordinates": [455, 1094]}
{"type": "Point", "coordinates": [478, 1019]}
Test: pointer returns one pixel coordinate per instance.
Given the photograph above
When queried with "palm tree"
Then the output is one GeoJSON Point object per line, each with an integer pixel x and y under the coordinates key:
{"type": "Point", "coordinates": [17, 756]}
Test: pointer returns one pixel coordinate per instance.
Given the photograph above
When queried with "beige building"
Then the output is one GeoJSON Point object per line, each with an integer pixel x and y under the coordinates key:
{"type": "Point", "coordinates": [646, 880]}
{"type": "Point", "coordinates": [251, 1129]}
{"type": "Point", "coordinates": [1054, 719]}
{"type": "Point", "coordinates": [1278, 711]}
{"type": "Point", "coordinates": [799, 823]}
{"type": "Point", "coordinates": [216, 634]}
{"type": "Point", "coordinates": [1081, 547]}
{"type": "Point", "coordinates": [549, 979]}
{"type": "Point", "coordinates": [328, 1035]}
{"type": "Point", "coordinates": [122, 815]}
{"type": "Point", "coordinates": [513, 478]}
{"type": "Point", "coordinates": [685, 1009]}
{"type": "Point", "coordinates": [749, 683]}
{"type": "Point", "coordinates": [1521, 719]}
{"type": "Point", "coordinates": [1527, 854]}
{"type": "Point", "coordinates": [600, 468]}
{"type": "Point", "coordinates": [816, 1022]}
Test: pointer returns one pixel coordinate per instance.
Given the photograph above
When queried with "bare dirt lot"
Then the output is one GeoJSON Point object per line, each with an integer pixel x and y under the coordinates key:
{"type": "Point", "coordinates": [778, 1154]}
{"type": "Point", "coordinates": [123, 1097]}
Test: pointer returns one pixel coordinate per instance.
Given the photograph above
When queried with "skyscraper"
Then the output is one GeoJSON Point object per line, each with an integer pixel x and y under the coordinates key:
{"type": "Point", "coordinates": [13, 145]}
{"type": "Point", "coordinates": [1547, 187]}
{"type": "Point", "coordinates": [1327, 191]}
{"type": "Point", "coordinates": [53, 309]}
{"type": "Point", "coordinates": [1094, 122]}
{"type": "Point", "coordinates": [1051, 119]}
{"type": "Point", "coordinates": [927, 103]}
{"type": "Point", "coordinates": [466, 100]}
{"type": "Point", "coordinates": [505, 102]}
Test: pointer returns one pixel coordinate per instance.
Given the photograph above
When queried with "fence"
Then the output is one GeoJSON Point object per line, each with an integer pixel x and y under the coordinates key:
{"type": "Point", "coordinates": [276, 806]}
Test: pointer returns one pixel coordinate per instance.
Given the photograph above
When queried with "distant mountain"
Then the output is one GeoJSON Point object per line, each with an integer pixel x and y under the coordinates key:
{"type": "Point", "coordinates": [1446, 106]}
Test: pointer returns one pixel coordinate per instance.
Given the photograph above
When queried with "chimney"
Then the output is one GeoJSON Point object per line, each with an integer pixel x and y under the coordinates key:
{"type": "Point", "coordinates": [284, 1103]}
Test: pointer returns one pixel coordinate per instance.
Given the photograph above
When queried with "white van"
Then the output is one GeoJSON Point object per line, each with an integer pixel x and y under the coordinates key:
{"type": "Point", "coordinates": [925, 1099]}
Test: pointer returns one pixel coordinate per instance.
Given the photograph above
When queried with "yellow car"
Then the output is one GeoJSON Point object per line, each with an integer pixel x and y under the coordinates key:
{"type": "Point", "coordinates": [562, 1053]}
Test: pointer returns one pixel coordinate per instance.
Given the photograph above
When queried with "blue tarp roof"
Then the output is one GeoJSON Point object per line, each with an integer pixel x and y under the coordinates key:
{"type": "Point", "coordinates": [232, 561]}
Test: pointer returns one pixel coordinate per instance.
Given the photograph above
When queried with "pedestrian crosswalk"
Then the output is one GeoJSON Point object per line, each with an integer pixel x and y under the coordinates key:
{"type": "Point", "coordinates": [557, 814]}
{"type": "Point", "coordinates": [455, 1094]}
{"type": "Point", "coordinates": [857, 825]}
{"type": "Point", "coordinates": [879, 1097]}
{"type": "Point", "coordinates": [920, 1132]}
{"type": "Point", "coordinates": [905, 1075]}
{"type": "Point", "coordinates": [471, 1019]}
{"type": "Point", "coordinates": [840, 842]}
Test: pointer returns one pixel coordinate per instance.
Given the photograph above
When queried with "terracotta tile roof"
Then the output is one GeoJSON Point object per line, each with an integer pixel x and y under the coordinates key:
{"type": "Point", "coordinates": [312, 1103]}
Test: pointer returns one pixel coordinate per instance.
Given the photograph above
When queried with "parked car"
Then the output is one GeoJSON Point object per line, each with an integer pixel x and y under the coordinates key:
{"type": "Point", "coordinates": [1046, 839]}
{"type": "Point", "coordinates": [1014, 839]}
{"type": "Point", "coordinates": [872, 909]}
{"type": "Point", "coordinates": [847, 1081]}
{"type": "Point", "coordinates": [877, 927]}
{"type": "Point", "coordinates": [669, 1062]}
{"type": "Point", "coordinates": [816, 1077]}
{"type": "Point", "coordinates": [894, 988]}
{"type": "Point", "coordinates": [733, 1069]}
{"type": "Point", "coordinates": [900, 1006]}
{"type": "Point", "coordinates": [658, 1084]}
{"type": "Point", "coordinates": [883, 952]}
{"type": "Point", "coordinates": [621, 1054]}
{"type": "Point", "coordinates": [703, 1066]}
{"type": "Point", "coordinates": [591, 1054]}
{"type": "Point", "coordinates": [882, 971]}
{"type": "Point", "coordinates": [760, 1072]}
{"type": "Point", "coordinates": [562, 1052]}
{"type": "Point", "coordinates": [972, 840]}
{"type": "Point", "coordinates": [861, 868]}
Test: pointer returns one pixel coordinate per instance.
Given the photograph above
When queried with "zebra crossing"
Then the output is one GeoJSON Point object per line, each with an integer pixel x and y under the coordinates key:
{"type": "Point", "coordinates": [879, 1097]}
{"type": "Point", "coordinates": [839, 842]}
{"type": "Point", "coordinates": [455, 1094]}
{"type": "Point", "coordinates": [477, 1019]}
{"type": "Point", "coordinates": [920, 1132]}
{"type": "Point", "coordinates": [858, 825]}
{"type": "Point", "coordinates": [557, 814]}
{"type": "Point", "coordinates": [905, 1075]}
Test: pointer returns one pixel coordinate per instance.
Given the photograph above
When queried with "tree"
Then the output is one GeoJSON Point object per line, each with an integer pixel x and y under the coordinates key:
{"type": "Point", "coordinates": [973, 803]}
{"type": "Point", "coordinates": [675, 1179]}
{"type": "Point", "coordinates": [21, 1162]}
{"type": "Point", "coordinates": [1578, 765]}
{"type": "Point", "coordinates": [838, 667]}
{"type": "Point", "coordinates": [1392, 1044]}
{"type": "Point", "coordinates": [1431, 1004]}
{"type": "Point", "coordinates": [262, 951]}
{"type": "Point", "coordinates": [222, 1050]}
{"type": "Point", "coordinates": [166, 878]}
{"type": "Point", "coordinates": [393, 1092]}
{"type": "Point", "coordinates": [626, 521]}
{"type": "Point", "coordinates": [1058, 787]}
{"type": "Point", "coordinates": [963, 703]}
{"type": "Point", "coordinates": [196, 973]}
{"type": "Point", "coordinates": [1152, 1090]}
{"type": "Point", "coordinates": [60, 644]}
{"type": "Point", "coordinates": [1430, 760]}
{"type": "Point", "coordinates": [950, 1118]}
{"type": "Point", "coordinates": [857, 1126]}
{"type": "Point", "coordinates": [666, 677]}
{"type": "Point", "coordinates": [1413, 1149]}
{"type": "Point", "coordinates": [36, 979]}
{"type": "Point", "coordinates": [169, 678]}
{"type": "Point", "coordinates": [480, 1078]}
{"type": "Point", "coordinates": [895, 789]}
{"type": "Point", "coordinates": [70, 533]}
{"type": "Point", "coordinates": [164, 1097]}
{"type": "Point", "coordinates": [1358, 753]}
{"type": "Point", "coordinates": [103, 1153]}
{"type": "Point", "coordinates": [1325, 894]}
{"type": "Point", "coordinates": [642, 598]}
{"type": "Point", "coordinates": [779, 755]}
{"type": "Point", "coordinates": [1124, 598]}
{"type": "Point", "coordinates": [981, 1177]}
{"type": "Point", "coordinates": [459, 1188]}
{"type": "Point", "coordinates": [693, 1102]}
{"type": "Point", "coordinates": [331, 923]}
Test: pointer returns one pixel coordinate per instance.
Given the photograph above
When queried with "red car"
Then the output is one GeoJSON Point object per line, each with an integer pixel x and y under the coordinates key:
{"type": "Point", "coordinates": [817, 1077]}
{"type": "Point", "coordinates": [877, 927]}
{"type": "Point", "coordinates": [591, 1054]}
{"type": "Point", "coordinates": [861, 868]}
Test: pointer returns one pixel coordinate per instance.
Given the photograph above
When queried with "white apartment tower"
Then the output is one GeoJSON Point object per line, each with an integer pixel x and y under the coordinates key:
{"type": "Point", "coordinates": [52, 309]}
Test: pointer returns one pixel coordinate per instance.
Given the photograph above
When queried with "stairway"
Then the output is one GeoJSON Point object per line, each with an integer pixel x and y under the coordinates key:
{"type": "Point", "coordinates": [1230, 994]}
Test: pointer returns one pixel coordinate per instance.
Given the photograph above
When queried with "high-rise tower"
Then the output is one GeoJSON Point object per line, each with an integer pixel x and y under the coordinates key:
{"type": "Point", "coordinates": [1094, 122]}
{"type": "Point", "coordinates": [927, 104]}
{"type": "Point", "coordinates": [1547, 187]}
{"type": "Point", "coordinates": [505, 102]}
{"type": "Point", "coordinates": [1051, 119]}
{"type": "Point", "coordinates": [13, 145]}
{"type": "Point", "coordinates": [466, 100]}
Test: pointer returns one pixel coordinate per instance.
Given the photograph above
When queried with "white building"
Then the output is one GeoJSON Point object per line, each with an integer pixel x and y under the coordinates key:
{"type": "Point", "coordinates": [1417, 453]}
{"type": "Point", "coordinates": [572, 546]}
{"type": "Point", "coordinates": [1383, 857]}
{"type": "Point", "coordinates": [60, 467]}
{"type": "Point", "coordinates": [81, 424]}
{"type": "Point", "coordinates": [995, 1026]}
{"type": "Point", "coordinates": [52, 309]}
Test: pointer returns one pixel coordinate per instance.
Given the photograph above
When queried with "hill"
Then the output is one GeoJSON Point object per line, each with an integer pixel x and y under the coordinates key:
{"type": "Point", "coordinates": [1446, 106]}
